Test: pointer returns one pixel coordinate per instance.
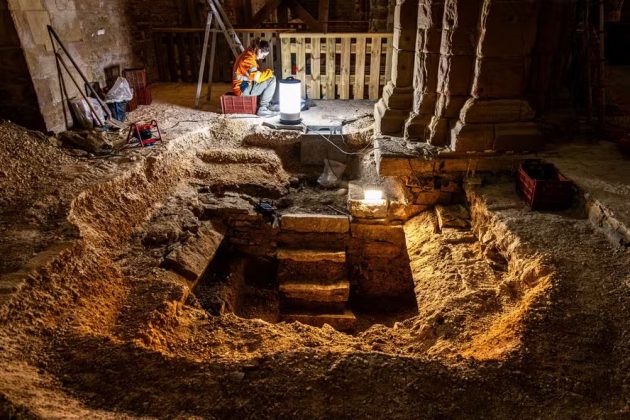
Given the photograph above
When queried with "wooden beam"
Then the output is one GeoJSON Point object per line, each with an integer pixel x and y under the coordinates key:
{"type": "Point", "coordinates": [323, 14]}
{"type": "Point", "coordinates": [304, 15]}
{"type": "Point", "coordinates": [265, 11]}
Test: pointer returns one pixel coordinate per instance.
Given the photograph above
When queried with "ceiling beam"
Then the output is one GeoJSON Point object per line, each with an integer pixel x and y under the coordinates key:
{"type": "Point", "coordinates": [305, 16]}
{"type": "Point", "coordinates": [265, 11]}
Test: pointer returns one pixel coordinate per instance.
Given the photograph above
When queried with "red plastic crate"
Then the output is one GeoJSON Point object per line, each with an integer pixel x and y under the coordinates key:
{"type": "Point", "coordinates": [543, 187]}
{"type": "Point", "coordinates": [137, 78]}
{"type": "Point", "coordinates": [143, 96]}
{"type": "Point", "coordinates": [232, 104]}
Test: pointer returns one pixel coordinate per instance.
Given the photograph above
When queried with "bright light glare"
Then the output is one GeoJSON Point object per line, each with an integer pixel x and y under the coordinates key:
{"type": "Point", "coordinates": [290, 98]}
{"type": "Point", "coordinates": [373, 195]}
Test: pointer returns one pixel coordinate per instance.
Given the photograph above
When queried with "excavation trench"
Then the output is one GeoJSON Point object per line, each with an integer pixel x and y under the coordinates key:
{"type": "Point", "coordinates": [448, 278]}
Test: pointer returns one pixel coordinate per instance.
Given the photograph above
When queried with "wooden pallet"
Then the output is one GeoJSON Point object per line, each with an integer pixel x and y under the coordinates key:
{"type": "Point", "coordinates": [338, 65]}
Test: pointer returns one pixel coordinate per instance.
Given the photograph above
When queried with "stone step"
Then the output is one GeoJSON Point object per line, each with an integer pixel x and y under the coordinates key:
{"type": "Point", "coordinates": [316, 293]}
{"type": "Point", "coordinates": [311, 266]}
{"type": "Point", "coordinates": [314, 223]}
{"type": "Point", "coordinates": [343, 321]}
{"type": "Point", "coordinates": [311, 255]}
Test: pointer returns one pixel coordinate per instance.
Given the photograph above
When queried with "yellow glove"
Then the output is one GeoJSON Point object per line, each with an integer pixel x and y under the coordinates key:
{"type": "Point", "coordinates": [265, 75]}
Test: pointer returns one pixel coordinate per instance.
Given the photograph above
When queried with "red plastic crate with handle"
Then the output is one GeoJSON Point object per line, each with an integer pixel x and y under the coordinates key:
{"type": "Point", "coordinates": [543, 186]}
{"type": "Point", "coordinates": [232, 104]}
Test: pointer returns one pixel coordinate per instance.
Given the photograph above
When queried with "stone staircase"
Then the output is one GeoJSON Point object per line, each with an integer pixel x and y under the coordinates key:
{"type": "Point", "coordinates": [312, 274]}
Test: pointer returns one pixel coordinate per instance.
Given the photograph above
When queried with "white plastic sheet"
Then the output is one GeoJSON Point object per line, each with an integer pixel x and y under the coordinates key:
{"type": "Point", "coordinates": [120, 92]}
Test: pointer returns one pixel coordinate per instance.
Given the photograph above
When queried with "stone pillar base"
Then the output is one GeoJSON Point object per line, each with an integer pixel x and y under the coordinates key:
{"type": "Point", "coordinates": [389, 121]}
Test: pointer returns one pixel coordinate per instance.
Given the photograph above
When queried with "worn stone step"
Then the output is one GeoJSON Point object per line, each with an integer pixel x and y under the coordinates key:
{"type": "Point", "coordinates": [311, 266]}
{"type": "Point", "coordinates": [343, 321]}
{"type": "Point", "coordinates": [314, 223]}
{"type": "Point", "coordinates": [313, 292]}
{"type": "Point", "coordinates": [311, 255]}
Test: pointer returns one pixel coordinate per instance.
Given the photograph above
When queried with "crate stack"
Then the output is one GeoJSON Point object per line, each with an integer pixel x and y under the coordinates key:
{"type": "Point", "coordinates": [137, 79]}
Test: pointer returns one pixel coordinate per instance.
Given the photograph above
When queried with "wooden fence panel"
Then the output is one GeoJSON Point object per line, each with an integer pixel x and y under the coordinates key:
{"type": "Point", "coordinates": [345, 72]}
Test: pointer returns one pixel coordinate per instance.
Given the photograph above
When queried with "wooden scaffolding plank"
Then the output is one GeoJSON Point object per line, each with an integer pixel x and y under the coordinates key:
{"type": "Point", "coordinates": [330, 68]}
{"type": "Point", "coordinates": [286, 57]}
{"type": "Point", "coordinates": [300, 62]}
{"type": "Point", "coordinates": [344, 87]}
{"type": "Point", "coordinates": [316, 54]}
{"type": "Point", "coordinates": [359, 71]}
{"type": "Point", "coordinates": [375, 68]}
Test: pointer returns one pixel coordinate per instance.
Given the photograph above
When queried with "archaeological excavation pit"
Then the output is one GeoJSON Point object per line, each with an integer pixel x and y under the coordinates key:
{"type": "Point", "coordinates": [428, 217]}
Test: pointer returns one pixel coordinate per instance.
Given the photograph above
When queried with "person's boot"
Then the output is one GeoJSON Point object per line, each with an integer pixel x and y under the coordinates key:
{"type": "Point", "coordinates": [265, 112]}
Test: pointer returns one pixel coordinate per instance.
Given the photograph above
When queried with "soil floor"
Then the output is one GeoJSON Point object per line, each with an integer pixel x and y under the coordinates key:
{"type": "Point", "coordinates": [525, 314]}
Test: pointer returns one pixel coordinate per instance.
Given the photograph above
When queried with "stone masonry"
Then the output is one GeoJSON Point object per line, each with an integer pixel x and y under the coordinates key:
{"type": "Point", "coordinates": [482, 71]}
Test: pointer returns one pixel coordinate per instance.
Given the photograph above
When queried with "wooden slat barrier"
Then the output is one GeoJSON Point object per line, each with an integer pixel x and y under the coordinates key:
{"type": "Point", "coordinates": [178, 50]}
{"type": "Point", "coordinates": [338, 66]}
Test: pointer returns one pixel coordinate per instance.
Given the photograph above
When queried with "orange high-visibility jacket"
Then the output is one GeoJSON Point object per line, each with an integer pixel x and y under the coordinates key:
{"type": "Point", "coordinates": [246, 71]}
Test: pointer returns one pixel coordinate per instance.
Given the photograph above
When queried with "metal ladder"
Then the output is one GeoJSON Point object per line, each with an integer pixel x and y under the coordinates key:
{"type": "Point", "coordinates": [216, 15]}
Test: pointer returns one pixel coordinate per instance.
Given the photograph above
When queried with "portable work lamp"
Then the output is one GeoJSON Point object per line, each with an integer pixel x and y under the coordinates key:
{"type": "Point", "coordinates": [372, 195]}
{"type": "Point", "coordinates": [290, 101]}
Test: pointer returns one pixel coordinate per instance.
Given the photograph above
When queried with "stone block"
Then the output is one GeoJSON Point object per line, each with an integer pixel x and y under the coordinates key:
{"type": "Point", "coordinates": [316, 293]}
{"type": "Point", "coordinates": [381, 249]}
{"type": "Point", "coordinates": [191, 259]}
{"type": "Point", "coordinates": [429, 40]}
{"type": "Point", "coordinates": [314, 240]}
{"type": "Point", "coordinates": [311, 255]}
{"type": "Point", "coordinates": [518, 137]}
{"type": "Point", "coordinates": [322, 271]}
{"type": "Point", "coordinates": [472, 137]}
{"type": "Point", "coordinates": [459, 41]}
{"type": "Point", "coordinates": [455, 74]}
{"type": "Point", "coordinates": [388, 121]}
{"type": "Point", "coordinates": [449, 106]}
{"type": "Point", "coordinates": [417, 127]}
{"type": "Point", "coordinates": [426, 73]}
{"type": "Point", "coordinates": [405, 38]}
{"type": "Point", "coordinates": [29, 5]}
{"type": "Point", "coordinates": [364, 210]}
{"type": "Point", "coordinates": [344, 321]}
{"type": "Point", "coordinates": [398, 98]}
{"type": "Point", "coordinates": [509, 28]}
{"type": "Point", "coordinates": [500, 77]}
{"type": "Point", "coordinates": [462, 13]}
{"type": "Point", "coordinates": [496, 111]}
{"type": "Point", "coordinates": [315, 223]}
{"type": "Point", "coordinates": [430, 14]}
{"type": "Point", "coordinates": [38, 22]}
{"type": "Point", "coordinates": [439, 130]}
{"type": "Point", "coordinates": [402, 68]}
{"type": "Point", "coordinates": [378, 233]}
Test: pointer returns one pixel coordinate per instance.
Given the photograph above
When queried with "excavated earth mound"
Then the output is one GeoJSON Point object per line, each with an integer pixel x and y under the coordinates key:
{"type": "Point", "coordinates": [520, 313]}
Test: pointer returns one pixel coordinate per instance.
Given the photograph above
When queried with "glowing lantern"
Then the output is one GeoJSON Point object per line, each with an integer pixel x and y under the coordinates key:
{"type": "Point", "coordinates": [290, 101]}
{"type": "Point", "coordinates": [372, 195]}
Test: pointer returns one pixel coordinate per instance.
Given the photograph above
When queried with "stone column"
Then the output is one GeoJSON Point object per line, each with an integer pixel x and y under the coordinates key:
{"type": "Point", "coordinates": [393, 108]}
{"type": "Point", "coordinates": [497, 117]}
{"type": "Point", "coordinates": [428, 40]}
{"type": "Point", "coordinates": [457, 61]}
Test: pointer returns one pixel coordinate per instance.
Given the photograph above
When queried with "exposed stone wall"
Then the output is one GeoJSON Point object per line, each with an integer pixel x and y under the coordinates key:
{"type": "Point", "coordinates": [479, 67]}
{"type": "Point", "coordinates": [77, 23]}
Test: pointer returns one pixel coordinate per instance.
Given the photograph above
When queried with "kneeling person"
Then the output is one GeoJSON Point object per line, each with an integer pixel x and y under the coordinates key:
{"type": "Point", "coordinates": [248, 80]}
